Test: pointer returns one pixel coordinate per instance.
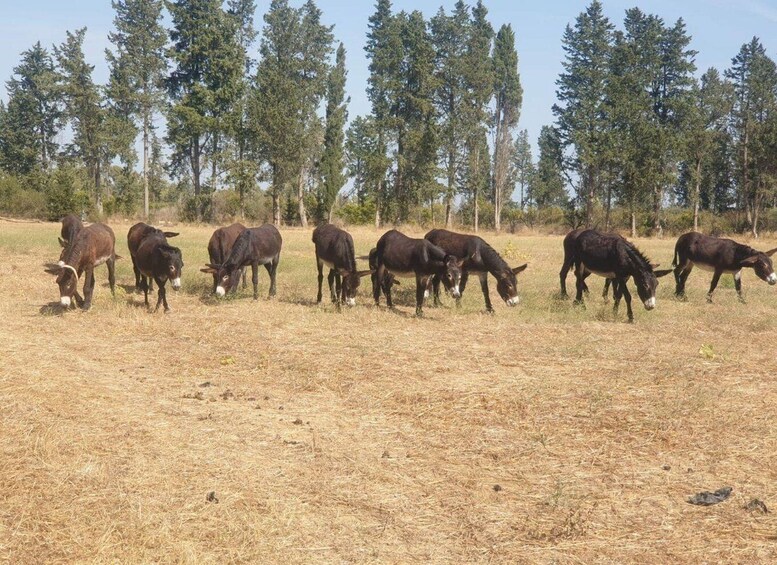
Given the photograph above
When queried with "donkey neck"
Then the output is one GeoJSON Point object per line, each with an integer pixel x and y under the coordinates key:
{"type": "Point", "coordinates": [492, 261]}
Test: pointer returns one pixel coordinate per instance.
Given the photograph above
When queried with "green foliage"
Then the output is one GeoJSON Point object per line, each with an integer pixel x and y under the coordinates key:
{"type": "Point", "coordinates": [66, 193]}
{"type": "Point", "coordinates": [354, 213]}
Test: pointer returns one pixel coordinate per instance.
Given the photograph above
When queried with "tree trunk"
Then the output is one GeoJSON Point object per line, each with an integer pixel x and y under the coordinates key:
{"type": "Point", "coordinates": [590, 194]}
{"type": "Point", "coordinates": [276, 196]}
{"type": "Point", "coordinates": [196, 164]}
{"type": "Point", "coordinates": [98, 204]}
{"type": "Point", "coordinates": [658, 196]}
{"type": "Point", "coordinates": [609, 206]}
{"type": "Point", "coordinates": [145, 166]}
{"type": "Point", "coordinates": [633, 224]}
{"type": "Point", "coordinates": [303, 217]}
{"type": "Point", "coordinates": [449, 192]}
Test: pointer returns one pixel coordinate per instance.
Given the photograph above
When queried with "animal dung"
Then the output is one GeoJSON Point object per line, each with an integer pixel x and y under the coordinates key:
{"type": "Point", "coordinates": [211, 497]}
{"type": "Point", "coordinates": [706, 498]}
{"type": "Point", "coordinates": [756, 505]}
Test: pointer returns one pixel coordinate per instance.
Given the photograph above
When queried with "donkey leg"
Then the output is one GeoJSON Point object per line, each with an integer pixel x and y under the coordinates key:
{"type": "Point", "coordinates": [88, 287]}
{"type": "Point", "coordinates": [162, 294]}
{"type": "Point", "coordinates": [562, 275]}
{"type": "Point", "coordinates": [255, 279]}
{"type": "Point", "coordinates": [273, 270]}
{"type": "Point", "coordinates": [112, 275]}
{"type": "Point", "coordinates": [605, 292]}
{"type": "Point", "coordinates": [436, 289]}
{"type": "Point", "coordinates": [627, 297]}
{"type": "Point", "coordinates": [137, 274]}
{"type": "Point", "coordinates": [713, 284]}
{"type": "Point", "coordinates": [580, 283]}
{"type": "Point", "coordinates": [420, 289]}
{"type": "Point", "coordinates": [320, 267]}
{"type": "Point", "coordinates": [462, 286]}
{"type": "Point", "coordinates": [484, 287]}
{"type": "Point", "coordinates": [738, 285]}
{"type": "Point", "coordinates": [331, 280]}
{"type": "Point", "coordinates": [617, 293]}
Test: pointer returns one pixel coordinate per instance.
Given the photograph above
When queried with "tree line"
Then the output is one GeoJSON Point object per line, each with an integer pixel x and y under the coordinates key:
{"type": "Point", "coordinates": [231, 119]}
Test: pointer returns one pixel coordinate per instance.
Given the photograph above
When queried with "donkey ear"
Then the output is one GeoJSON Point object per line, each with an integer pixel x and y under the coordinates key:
{"type": "Point", "coordinates": [770, 252]}
{"type": "Point", "coordinates": [209, 270]}
{"type": "Point", "coordinates": [749, 261]}
{"type": "Point", "coordinates": [52, 268]}
{"type": "Point", "coordinates": [655, 266]}
{"type": "Point", "coordinates": [364, 273]}
{"type": "Point", "coordinates": [170, 233]}
{"type": "Point", "coordinates": [662, 273]}
{"type": "Point", "coordinates": [395, 282]}
{"type": "Point", "coordinates": [520, 269]}
{"type": "Point", "coordinates": [62, 242]}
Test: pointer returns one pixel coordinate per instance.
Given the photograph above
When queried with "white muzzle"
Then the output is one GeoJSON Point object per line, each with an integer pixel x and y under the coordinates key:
{"type": "Point", "coordinates": [426, 294]}
{"type": "Point", "coordinates": [455, 292]}
{"type": "Point", "coordinates": [350, 301]}
{"type": "Point", "coordinates": [514, 301]}
{"type": "Point", "coordinates": [61, 263]}
{"type": "Point", "coordinates": [650, 303]}
{"type": "Point", "coordinates": [65, 301]}
{"type": "Point", "coordinates": [176, 283]}
{"type": "Point", "coordinates": [772, 278]}
{"type": "Point", "coordinates": [220, 291]}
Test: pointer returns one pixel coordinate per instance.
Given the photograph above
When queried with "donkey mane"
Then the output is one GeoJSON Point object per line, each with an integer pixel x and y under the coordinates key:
{"type": "Point", "coordinates": [240, 247]}
{"type": "Point", "coordinates": [491, 259]}
{"type": "Point", "coordinates": [637, 256]}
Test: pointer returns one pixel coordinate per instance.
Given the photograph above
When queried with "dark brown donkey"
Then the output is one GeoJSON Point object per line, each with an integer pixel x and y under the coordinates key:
{"type": "Point", "coordinates": [334, 249]}
{"type": "Point", "coordinates": [135, 237]}
{"type": "Point", "coordinates": [71, 225]}
{"type": "Point", "coordinates": [154, 259]}
{"type": "Point", "coordinates": [612, 257]}
{"type": "Point", "coordinates": [92, 246]}
{"type": "Point", "coordinates": [569, 260]}
{"type": "Point", "coordinates": [480, 259]}
{"type": "Point", "coordinates": [403, 256]}
{"type": "Point", "coordinates": [219, 247]}
{"type": "Point", "coordinates": [255, 246]}
{"type": "Point", "coordinates": [719, 256]}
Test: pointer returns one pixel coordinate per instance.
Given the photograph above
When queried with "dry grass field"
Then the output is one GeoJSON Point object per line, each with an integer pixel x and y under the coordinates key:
{"type": "Point", "coordinates": [542, 434]}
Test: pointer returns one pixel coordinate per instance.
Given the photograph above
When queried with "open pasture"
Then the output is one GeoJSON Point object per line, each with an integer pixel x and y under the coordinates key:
{"type": "Point", "coordinates": [542, 434]}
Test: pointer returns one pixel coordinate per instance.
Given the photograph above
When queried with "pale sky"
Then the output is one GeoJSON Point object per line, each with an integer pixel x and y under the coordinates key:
{"type": "Point", "coordinates": [718, 28]}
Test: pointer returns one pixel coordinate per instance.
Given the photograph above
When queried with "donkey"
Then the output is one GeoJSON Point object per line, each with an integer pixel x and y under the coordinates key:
{"type": "Point", "coordinates": [373, 263]}
{"type": "Point", "coordinates": [613, 257]}
{"type": "Point", "coordinates": [255, 246]}
{"type": "Point", "coordinates": [480, 259]}
{"type": "Point", "coordinates": [92, 246]}
{"type": "Point", "coordinates": [569, 260]}
{"type": "Point", "coordinates": [403, 256]}
{"type": "Point", "coordinates": [135, 237]}
{"type": "Point", "coordinates": [71, 225]}
{"type": "Point", "coordinates": [220, 245]}
{"type": "Point", "coordinates": [334, 249]}
{"type": "Point", "coordinates": [720, 256]}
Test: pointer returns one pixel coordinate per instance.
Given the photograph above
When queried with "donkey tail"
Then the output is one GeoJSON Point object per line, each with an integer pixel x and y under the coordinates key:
{"type": "Point", "coordinates": [676, 260]}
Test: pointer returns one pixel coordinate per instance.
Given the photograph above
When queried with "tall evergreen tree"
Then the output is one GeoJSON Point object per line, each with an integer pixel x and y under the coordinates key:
{"type": "Point", "coordinates": [523, 165]}
{"type": "Point", "coordinates": [384, 51]}
{"type": "Point", "coordinates": [754, 77]}
{"type": "Point", "coordinates": [33, 115]}
{"type": "Point", "coordinates": [204, 86]}
{"type": "Point", "coordinates": [548, 183]}
{"type": "Point", "coordinates": [137, 69]}
{"type": "Point", "coordinates": [332, 161]}
{"type": "Point", "coordinates": [449, 39]}
{"type": "Point", "coordinates": [478, 76]}
{"type": "Point", "coordinates": [580, 114]}
{"type": "Point", "coordinates": [86, 111]}
{"type": "Point", "coordinates": [508, 95]}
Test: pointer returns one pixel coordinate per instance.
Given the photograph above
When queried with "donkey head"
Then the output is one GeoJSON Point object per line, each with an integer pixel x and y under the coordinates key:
{"type": "Point", "coordinates": [172, 261]}
{"type": "Point", "coordinates": [646, 281]}
{"type": "Point", "coordinates": [67, 280]}
{"type": "Point", "coordinates": [761, 263]}
{"type": "Point", "coordinates": [507, 285]}
{"type": "Point", "coordinates": [451, 276]}
{"type": "Point", "coordinates": [227, 276]}
{"type": "Point", "coordinates": [351, 281]}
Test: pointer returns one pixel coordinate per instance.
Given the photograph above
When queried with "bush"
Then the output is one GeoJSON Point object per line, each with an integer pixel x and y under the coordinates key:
{"type": "Point", "coordinates": [353, 213]}
{"type": "Point", "coordinates": [66, 194]}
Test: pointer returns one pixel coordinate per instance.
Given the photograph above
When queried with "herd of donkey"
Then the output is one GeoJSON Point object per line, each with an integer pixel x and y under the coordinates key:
{"type": "Point", "coordinates": [441, 256]}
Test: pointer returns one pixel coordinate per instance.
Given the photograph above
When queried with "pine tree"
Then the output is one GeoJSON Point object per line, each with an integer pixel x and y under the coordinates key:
{"type": "Point", "coordinates": [580, 114]}
{"type": "Point", "coordinates": [332, 162]}
{"type": "Point", "coordinates": [33, 115]}
{"type": "Point", "coordinates": [85, 109]}
{"type": "Point", "coordinates": [548, 183]}
{"type": "Point", "coordinates": [447, 34]}
{"type": "Point", "coordinates": [754, 77]}
{"type": "Point", "coordinates": [478, 84]}
{"type": "Point", "coordinates": [508, 95]}
{"type": "Point", "coordinates": [366, 163]}
{"type": "Point", "coordinates": [137, 69]}
{"type": "Point", "coordinates": [523, 165]}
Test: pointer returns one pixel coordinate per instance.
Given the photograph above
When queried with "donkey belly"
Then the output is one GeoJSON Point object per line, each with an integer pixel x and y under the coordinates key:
{"type": "Point", "coordinates": [605, 274]}
{"type": "Point", "coordinates": [711, 268]}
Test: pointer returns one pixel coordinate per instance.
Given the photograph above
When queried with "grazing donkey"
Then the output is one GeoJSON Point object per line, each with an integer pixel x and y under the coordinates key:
{"type": "Point", "coordinates": [135, 237]}
{"type": "Point", "coordinates": [219, 247]}
{"type": "Point", "coordinates": [334, 249]}
{"type": "Point", "coordinates": [720, 256]}
{"type": "Point", "coordinates": [480, 259]}
{"type": "Point", "coordinates": [255, 246]}
{"type": "Point", "coordinates": [92, 246]}
{"type": "Point", "coordinates": [569, 260]}
{"type": "Point", "coordinates": [154, 259]}
{"type": "Point", "coordinates": [403, 256]}
{"type": "Point", "coordinates": [613, 257]}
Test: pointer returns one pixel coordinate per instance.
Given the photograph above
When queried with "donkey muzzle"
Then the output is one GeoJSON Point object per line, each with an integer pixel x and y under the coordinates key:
{"type": "Point", "coordinates": [64, 301]}
{"type": "Point", "coordinates": [650, 303]}
{"type": "Point", "coordinates": [772, 280]}
{"type": "Point", "coordinates": [176, 283]}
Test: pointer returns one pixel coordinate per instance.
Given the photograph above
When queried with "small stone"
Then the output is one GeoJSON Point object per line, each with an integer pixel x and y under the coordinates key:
{"type": "Point", "coordinates": [211, 497]}
{"type": "Point", "coordinates": [497, 488]}
{"type": "Point", "coordinates": [666, 467]}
